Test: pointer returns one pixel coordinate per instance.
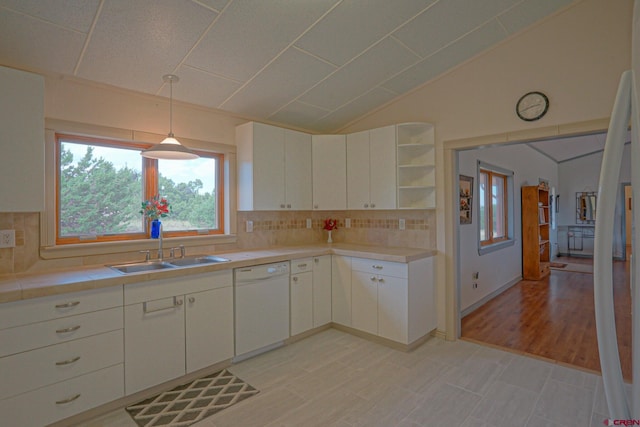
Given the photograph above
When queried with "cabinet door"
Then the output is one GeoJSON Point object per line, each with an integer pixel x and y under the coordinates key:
{"type": "Point", "coordinates": [382, 157]}
{"type": "Point", "coordinates": [358, 170]}
{"type": "Point", "coordinates": [301, 288]}
{"type": "Point", "coordinates": [393, 297]}
{"type": "Point", "coordinates": [364, 302]}
{"type": "Point", "coordinates": [268, 167]}
{"type": "Point", "coordinates": [341, 290]}
{"type": "Point", "coordinates": [297, 164]}
{"type": "Point", "coordinates": [329, 158]}
{"type": "Point", "coordinates": [22, 149]}
{"type": "Point", "coordinates": [321, 290]}
{"type": "Point", "coordinates": [153, 342]}
{"type": "Point", "coordinates": [209, 328]}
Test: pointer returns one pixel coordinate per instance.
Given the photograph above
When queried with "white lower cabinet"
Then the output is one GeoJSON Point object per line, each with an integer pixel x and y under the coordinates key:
{"type": "Point", "coordinates": [393, 300]}
{"type": "Point", "coordinates": [55, 350]}
{"type": "Point", "coordinates": [175, 326]}
{"type": "Point", "coordinates": [310, 287]}
{"type": "Point", "coordinates": [321, 290]}
{"type": "Point", "coordinates": [341, 289]}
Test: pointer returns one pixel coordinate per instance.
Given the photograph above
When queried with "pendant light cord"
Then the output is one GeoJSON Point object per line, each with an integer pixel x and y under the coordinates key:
{"type": "Point", "coordinates": [171, 108]}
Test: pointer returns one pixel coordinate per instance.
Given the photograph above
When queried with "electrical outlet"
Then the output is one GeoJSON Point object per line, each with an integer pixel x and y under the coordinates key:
{"type": "Point", "coordinates": [249, 226]}
{"type": "Point", "coordinates": [308, 222]}
{"type": "Point", "coordinates": [7, 238]}
{"type": "Point", "coordinates": [347, 223]}
{"type": "Point", "coordinates": [476, 275]}
{"type": "Point", "coordinates": [401, 224]}
{"type": "Point", "coordinates": [475, 286]}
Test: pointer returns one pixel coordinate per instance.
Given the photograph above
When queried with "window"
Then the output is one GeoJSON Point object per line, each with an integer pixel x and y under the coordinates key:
{"type": "Point", "coordinates": [101, 185]}
{"type": "Point", "coordinates": [495, 205]}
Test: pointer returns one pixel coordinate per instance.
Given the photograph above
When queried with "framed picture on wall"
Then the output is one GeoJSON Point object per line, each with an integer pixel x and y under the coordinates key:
{"type": "Point", "coordinates": [466, 199]}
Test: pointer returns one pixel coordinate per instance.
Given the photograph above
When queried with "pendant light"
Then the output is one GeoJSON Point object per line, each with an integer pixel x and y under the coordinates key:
{"type": "Point", "coordinates": [170, 148]}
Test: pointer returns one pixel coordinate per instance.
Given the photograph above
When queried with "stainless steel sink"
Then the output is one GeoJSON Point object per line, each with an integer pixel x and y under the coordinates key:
{"type": "Point", "coordinates": [136, 267]}
{"type": "Point", "coordinates": [196, 260]}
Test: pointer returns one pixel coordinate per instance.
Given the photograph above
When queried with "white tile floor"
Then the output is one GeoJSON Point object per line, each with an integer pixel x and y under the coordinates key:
{"type": "Point", "coordinates": [336, 379]}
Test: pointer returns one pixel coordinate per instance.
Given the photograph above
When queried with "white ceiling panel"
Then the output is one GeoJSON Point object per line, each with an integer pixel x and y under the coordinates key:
{"type": "Point", "coordinates": [355, 25]}
{"type": "Point", "coordinates": [216, 5]}
{"type": "Point", "coordinates": [529, 11]}
{"type": "Point", "coordinates": [354, 109]}
{"type": "Point", "coordinates": [197, 87]}
{"type": "Point", "coordinates": [250, 33]}
{"type": "Point", "coordinates": [30, 43]}
{"type": "Point", "coordinates": [452, 55]}
{"type": "Point", "coordinates": [301, 114]}
{"type": "Point", "coordinates": [290, 75]}
{"type": "Point", "coordinates": [72, 14]}
{"type": "Point", "coordinates": [135, 43]}
{"type": "Point", "coordinates": [271, 60]}
{"type": "Point", "coordinates": [446, 21]}
{"type": "Point", "coordinates": [368, 70]}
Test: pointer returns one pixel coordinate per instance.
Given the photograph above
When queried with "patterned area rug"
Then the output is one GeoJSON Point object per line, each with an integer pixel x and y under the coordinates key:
{"type": "Point", "coordinates": [191, 402]}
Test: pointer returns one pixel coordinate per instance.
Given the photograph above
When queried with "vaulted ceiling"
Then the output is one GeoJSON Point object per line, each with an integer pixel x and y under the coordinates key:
{"type": "Point", "coordinates": [310, 64]}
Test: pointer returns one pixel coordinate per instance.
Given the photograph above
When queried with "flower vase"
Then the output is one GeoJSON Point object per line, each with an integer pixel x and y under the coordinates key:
{"type": "Point", "coordinates": [330, 240]}
{"type": "Point", "coordinates": [156, 227]}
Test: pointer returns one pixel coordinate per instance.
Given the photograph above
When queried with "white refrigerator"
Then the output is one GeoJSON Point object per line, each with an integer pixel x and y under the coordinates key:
{"type": "Point", "coordinates": [626, 111]}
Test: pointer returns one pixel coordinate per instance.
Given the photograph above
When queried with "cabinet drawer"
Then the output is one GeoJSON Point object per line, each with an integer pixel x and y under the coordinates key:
{"type": "Point", "coordinates": [39, 309]}
{"type": "Point", "coordinates": [62, 400]}
{"type": "Point", "coordinates": [301, 265]}
{"type": "Point", "coordinates": [37, 368]}
{"type": "Point", "coordinates": [28, 337]}
{"type": "Point", "coordinates": [386, 268]}
{"type": "Point", "coordinates": [164, 288]}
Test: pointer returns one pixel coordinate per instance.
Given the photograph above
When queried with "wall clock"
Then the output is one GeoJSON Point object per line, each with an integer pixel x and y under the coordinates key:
{"type": "Point", "coordinates": [532, 106]}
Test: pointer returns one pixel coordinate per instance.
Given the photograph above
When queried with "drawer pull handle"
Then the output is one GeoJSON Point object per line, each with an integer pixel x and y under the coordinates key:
{"type": "Point", "coordinates": [69, 329]}
{"type": "Point", "coordinates": [67, 400]}
{"type": "Point", "coordinates": [68, 361]}
{"type": "Point", "coordinates": [377, 267]}
{"type": "Point", "coordinates": [176, 303]}
{"type": "Point", "coordinates": [68, 304]}
{"type": "Point", "coordinates": [302, 265]}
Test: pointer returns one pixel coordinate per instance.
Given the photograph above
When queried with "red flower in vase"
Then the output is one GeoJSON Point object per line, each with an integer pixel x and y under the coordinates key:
{"type": "Point", "coordinates": [330, 224]}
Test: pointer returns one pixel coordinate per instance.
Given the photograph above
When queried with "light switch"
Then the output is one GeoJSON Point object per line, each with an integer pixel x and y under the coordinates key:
{"type": "Point", "coordinates": [249, 226]}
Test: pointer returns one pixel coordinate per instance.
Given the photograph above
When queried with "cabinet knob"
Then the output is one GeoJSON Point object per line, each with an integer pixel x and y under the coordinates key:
{"type": "Point", "coordinates": [179, 302]}
{"type": "Point", "coordinates": [315, 206]}
{"type": "Point", "coordinates": [366, 205]}
{"type": "Point", "coordinates": [373, 205]}
{"type": "Point", "coordinates": [281, 205]}
{"type": "Point", "coordinates": [381, 280]}
{"type": "Point", "coordinates": [372, 278]}
{"type": "Point", "coordinates": [377, 267]}
{"type": "Point", "coordinates": [295, 278]}
{"type": "Point", "coordinates": [192, 300]}
{"type": "Point", "coordinates": [288, 206]}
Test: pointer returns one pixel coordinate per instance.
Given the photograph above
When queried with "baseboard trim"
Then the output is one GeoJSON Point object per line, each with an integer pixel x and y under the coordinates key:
{"type": "Point", "coordinates": [492, 295]}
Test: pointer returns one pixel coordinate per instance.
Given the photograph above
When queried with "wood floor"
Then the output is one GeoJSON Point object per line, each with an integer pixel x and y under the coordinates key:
{"type": "Point", "coordinates": [554, 318]}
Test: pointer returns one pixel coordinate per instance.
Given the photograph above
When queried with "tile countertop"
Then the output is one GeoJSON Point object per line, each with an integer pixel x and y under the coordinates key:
{"type": "Point", "coordinates": [15, 287]}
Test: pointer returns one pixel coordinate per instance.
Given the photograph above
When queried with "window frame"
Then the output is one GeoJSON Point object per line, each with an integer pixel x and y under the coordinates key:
{"type": "Point", "coordinates": [490, 243]}
{"type": "Point", "coordinates": [150, 189]}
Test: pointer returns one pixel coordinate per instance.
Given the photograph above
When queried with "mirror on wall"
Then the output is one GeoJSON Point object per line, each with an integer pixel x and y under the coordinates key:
{"type": "Point", "coordinates": [586, 207]}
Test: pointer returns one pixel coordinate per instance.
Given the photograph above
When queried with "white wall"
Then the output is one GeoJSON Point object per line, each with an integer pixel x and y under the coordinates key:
{"type": "Point", "coordinates": [583, 174]}
{"type": "Point", "coordinates": [503, 267]}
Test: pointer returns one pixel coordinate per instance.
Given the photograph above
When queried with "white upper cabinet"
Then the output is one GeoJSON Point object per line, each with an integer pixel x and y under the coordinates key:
{"type": "Point", "coordinates": [371, 169]}
{"type": "Point", "coordinates": [274, 168]}
{"type": "Point", "coordinates": [329, 172]}
{"type": "Point", "coordinates": [21, 141]}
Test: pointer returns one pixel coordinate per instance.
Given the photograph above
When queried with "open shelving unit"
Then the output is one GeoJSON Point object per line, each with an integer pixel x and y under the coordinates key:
{"type": "Point", "coordinates": [535, 232]}
{"type": "Point", "coordinates": [416, 166]}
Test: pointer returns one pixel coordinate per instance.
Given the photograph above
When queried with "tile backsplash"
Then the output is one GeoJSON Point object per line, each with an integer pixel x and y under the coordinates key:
{"type": "Point", "coordinates": [271, 228]}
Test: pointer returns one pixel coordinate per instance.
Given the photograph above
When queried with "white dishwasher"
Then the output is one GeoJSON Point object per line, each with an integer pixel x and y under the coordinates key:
{"type": "Point", "coordinates": [261, 308]}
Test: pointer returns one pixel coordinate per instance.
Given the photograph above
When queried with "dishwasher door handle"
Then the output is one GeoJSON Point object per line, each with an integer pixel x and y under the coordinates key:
{"type": "Point", "coordinates": [155, 306]}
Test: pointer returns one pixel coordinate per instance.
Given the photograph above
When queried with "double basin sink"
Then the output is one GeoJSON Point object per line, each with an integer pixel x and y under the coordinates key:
{"type": "Point", "coordinates": [190, 261]}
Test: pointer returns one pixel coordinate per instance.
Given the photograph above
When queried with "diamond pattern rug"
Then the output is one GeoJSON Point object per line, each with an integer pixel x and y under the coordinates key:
{"type": "Point", "coordinates": [191, 402]}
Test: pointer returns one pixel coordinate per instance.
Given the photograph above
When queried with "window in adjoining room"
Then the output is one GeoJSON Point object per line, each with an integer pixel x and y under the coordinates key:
{"type": "Point", "coordinates": [495, 207]}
